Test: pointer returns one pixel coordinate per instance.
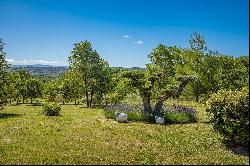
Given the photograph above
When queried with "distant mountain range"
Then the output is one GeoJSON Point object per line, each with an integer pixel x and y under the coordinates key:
{"type": "Point", "coordinates": [42, 65]}
{"type": "Point", "coordinates": [52, 71]}
{"type": "Point", "coordinates": [35, 65]}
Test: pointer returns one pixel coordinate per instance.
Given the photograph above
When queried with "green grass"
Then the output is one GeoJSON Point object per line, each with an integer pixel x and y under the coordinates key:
{"type": "Point", "coordinates": [85, 136]}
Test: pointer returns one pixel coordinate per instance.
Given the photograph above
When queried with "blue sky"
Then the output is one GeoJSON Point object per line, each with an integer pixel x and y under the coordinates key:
{"type": "Point", "coordinates": [123, 32]}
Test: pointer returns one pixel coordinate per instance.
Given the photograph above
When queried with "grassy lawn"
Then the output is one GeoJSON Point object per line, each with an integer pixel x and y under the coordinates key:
{"type": "Point", "coordinates": [84, 136]}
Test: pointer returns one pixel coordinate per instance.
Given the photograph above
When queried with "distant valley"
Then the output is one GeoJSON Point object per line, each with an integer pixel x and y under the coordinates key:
{"type": "Point", "coordinates": [42, 70]}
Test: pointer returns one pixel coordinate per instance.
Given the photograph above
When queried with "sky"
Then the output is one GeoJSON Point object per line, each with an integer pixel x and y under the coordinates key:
{"type": "Point", "coordinates": [123, 32]}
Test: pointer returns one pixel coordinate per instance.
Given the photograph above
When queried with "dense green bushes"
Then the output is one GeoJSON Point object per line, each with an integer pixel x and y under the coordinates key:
{"type": "Point", "coordinates": [50, 109]}
{"type": "Point", "coordinates": [179, 117]}
{"type": "Point", "coordinates": [230, 114]}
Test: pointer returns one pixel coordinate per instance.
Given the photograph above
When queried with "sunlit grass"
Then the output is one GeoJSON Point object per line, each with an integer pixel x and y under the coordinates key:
{"type": "Point", "coordinates": [85, 136]}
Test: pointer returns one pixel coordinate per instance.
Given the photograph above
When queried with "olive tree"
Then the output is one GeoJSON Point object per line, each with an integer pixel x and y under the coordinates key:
{"type": "Point", "coordinates": [165, 77]}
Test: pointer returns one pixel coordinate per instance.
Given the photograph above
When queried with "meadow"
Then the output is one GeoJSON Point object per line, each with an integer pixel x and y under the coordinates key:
{"type": "Point", "coordinates": [83, 135]}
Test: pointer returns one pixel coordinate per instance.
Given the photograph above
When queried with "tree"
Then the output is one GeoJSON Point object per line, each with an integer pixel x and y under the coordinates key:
{"type": "Point", "coordinates": [34, 88]}
{"type": "Point", "coordinates": [234, 73]}
{"type": "Point", "coordinates": [100, 83]}
{"type": "Point", "coordinates": [164, 78]}
{"type": "Point", "coordinates": [3, 63]}
{"type": "Point", "coordinates": [198, 48]}
{"type": "Point", "coordinates": [118, 87]}
{"type": "Point", "coordinates": [10, 88]}
{"type": "Point", "coordinates": [3, 73]}
{"type": "Point", "coordinates": [21, 83]}
{"type": "Point", "coordinates": [210, 76]}
{"type": "Point", "coordinates": [51, 89]}
{"type": "Point", "coordinates": [91, 67]}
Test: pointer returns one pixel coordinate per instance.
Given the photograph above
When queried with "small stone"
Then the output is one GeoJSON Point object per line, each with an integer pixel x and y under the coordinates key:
{"type": "Point", "coordinates": [159, 120]}
{"type": "Point", "coordinates": [121, 117]}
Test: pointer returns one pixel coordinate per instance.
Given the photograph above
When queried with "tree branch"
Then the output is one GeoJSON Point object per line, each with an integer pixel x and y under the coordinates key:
{"type": "Point", "coordinates": [177, 91]}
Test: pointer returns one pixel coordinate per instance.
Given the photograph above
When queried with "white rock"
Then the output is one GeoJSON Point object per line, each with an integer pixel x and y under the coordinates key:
{"type": "Point", "coordinates": [121, 117]}
{"type": "Point", "coordinates": [159, 120]}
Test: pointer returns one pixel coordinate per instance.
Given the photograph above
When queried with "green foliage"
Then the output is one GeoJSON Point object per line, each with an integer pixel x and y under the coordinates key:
{"type": "Point", "coordinates": [3, 63]}
{"type": "Point", "coordinates": [109, 114]}
{"type": "Point", "coordinates": [50, 90]}
{"type": "Point", "coordinates": [148, 117]}
{"type": "Point", "coordinates": [230, 114]}
{"type": "Point", "coordinates": [70, 86]}
{"type": "Point", "coordinates": [34, 88]}
{"type": "Point", "coordinates": [3, 86]}
{"type": "Point", "coordinates": [215, 72]}
{"type": "Point", "coordinates": [135, 113]}
{"type": "Point", "coordinates": [165, 77]}
{"type": "Point", "coordinates": [93, 70]}
{"type": "Point", "coordinates": [22, 78]}
{"type": "Point", "coordinates": [197, 42]}
{"type": "Point", "coordinates": [132, 115]}
{"type": "Point", "coordinates": [51, 109]}
{"type": "Point", "coordinates": [179, 117]}
{"type": "Point", "coordinates": [3, 73]}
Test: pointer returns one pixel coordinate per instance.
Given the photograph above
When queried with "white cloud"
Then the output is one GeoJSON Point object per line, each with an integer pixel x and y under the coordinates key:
{"type": "Point", "coordinates": [139, 42]}
{"type": "Point", "coordinates": [126, 36]}
{"type": "Point", "coordinates": [9, 60]}
{"type": "Point", "coordinates": [24, 61]}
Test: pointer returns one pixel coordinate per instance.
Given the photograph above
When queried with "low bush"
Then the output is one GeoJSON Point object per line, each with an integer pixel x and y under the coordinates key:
{"type": "Point", "coordinates": [229, 112]}
{"type": "Point", "coordinates": [179, 114]}
{"type": "Point", "coordinates": [179, 117]}
{"type": "Point", "coordinates": [176, 114]}
{"type": "Point", "coordinates": [109, 114]}
{"type": "Point", "coordinates": [50, 109]}
{"type": "Point", "coordinates": [134, 111]}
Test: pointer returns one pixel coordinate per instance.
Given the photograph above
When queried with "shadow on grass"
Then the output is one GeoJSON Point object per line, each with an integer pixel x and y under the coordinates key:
{"type": "Point", "coordinates": [153, 123]}
{"type": "Point", "coordinates": [84, 107]}
{"type": "Point", "coordinates": [168, 123]}
{"type": "Point", "coordinates": [204, 122]}
{"type": "Point", "coordinates": [69, 104]}
{"type": "Point", "coordinates": [34, 104]}
{"type": "Point", "coordinates": [92, 107]}
{"type": "Point", "coordinates": [236, 149]}
{"type": "Point", "coordinates": [8, 115]}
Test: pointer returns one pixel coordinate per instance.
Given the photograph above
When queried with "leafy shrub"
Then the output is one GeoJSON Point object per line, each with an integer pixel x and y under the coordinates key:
{"type": "Point", "coordinates": [149, 117]}
{"type": "Point", "coordinates": [134, 111]}
{"type": "Point", "coordinates": [50, 109]}
{"type": "Point", "coordinates": [176, 114]}
{"type": "Point", "coordinates": [229, 112]}
{"type": "Point", "coordinates": [134, 116]}
{"type": "Point", "coordinates": [109, 114]}
{"type": "Point", "coordinates": [179, 114]}
{"type": "Point", "coordinates": [179, 117]}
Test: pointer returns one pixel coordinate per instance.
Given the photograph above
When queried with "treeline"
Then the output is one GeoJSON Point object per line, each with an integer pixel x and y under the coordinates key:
{"type": "Point", "coordinates": [191, 73]}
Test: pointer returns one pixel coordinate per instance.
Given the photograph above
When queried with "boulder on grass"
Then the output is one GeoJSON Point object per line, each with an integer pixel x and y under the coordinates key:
{"type": "Point", "coordinates": [121, 117]}
{"type": "Point", "coordinates": [159, 120]}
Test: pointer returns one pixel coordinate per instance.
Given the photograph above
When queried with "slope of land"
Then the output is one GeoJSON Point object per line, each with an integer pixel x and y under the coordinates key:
{"type": "Point", "coordinates": [84, 136]}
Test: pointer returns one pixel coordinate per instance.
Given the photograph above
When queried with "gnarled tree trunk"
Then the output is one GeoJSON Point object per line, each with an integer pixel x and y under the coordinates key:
{"type": "Point", "coordinates": [174, 92]}
{"type": "Point", "coordinates": [146, 103]}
